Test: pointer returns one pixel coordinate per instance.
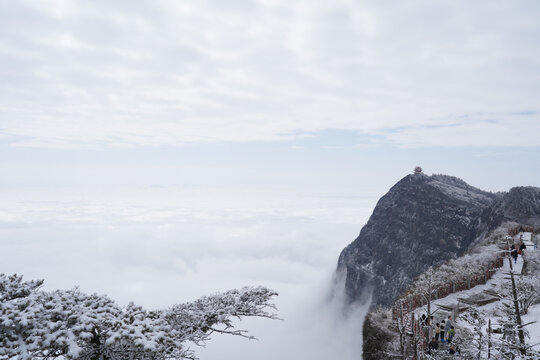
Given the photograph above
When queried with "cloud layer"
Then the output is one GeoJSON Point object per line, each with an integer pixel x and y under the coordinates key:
{"type": "Point", "coordinates": [156, 253]}
{"type": "Point", "coordinates": [420, 73]}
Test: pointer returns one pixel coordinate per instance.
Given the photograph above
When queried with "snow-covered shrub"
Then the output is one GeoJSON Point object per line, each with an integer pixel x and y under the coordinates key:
{"type": "Point", "coordinates": [377, 335]}
{"type": "Point", "coordinates": [531, 262]}
{"type": "Point", "coordinates": [12, 287]}
{"type": "Point", "coordinates": [19, 312]}
{"type": "Point", "coordinates": [472, 339]}
{"type": "Point", "coordinates": [528, 292]}
{"type": "Point", "coordinates": [473, 268]}
{"type": "Point", "coordinates": [499, 235]}
{"type": "Point", "coordinates": [456, 274]}
{"type": "Point", "coordinates": [74, 325]}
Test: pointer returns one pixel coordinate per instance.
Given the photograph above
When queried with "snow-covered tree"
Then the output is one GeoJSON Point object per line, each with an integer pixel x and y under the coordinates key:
{"type": "Point", "coordinates": [448, 277]}
{"type": "Point", "coordinates": [215, 313]}
{"type": "Point", "coordinates": [477, 342]}
{"type": "Point", "coordinates": [377, 333]}
{"type": "Point", "coordinates": [12, 287]}
{"type": "Point", "coordinates": [424, 286]}
{"type": "Point", "coordinates": [76, 326]}
{"type": "Point", "coordinates": [528, 291]}
{"type": "Point", "coordinates": [19, 312]}
{"type": "Point", "coordinates": [402, 326]}
{"type": "Point", "coordinates": [531, 262]}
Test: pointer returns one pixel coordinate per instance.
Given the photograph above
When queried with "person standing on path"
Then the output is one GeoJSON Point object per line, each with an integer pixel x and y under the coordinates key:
{"type": "Point", "coordinates": [514, 253]}
{"type": "Point", "coordinates": [442, 331]}
{"type": "Point", "coordinates": [450, 334]}
{"type": "Point", "coordinates": [522, 248]}
{"type": "Point", "coordinates": [448, 324]}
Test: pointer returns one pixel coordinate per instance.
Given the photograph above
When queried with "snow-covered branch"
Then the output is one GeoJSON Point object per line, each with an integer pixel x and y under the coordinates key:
{"type": "Point", "coordinates": [215, 313]}
{"type": "Point", "coordinates": [73, 325]}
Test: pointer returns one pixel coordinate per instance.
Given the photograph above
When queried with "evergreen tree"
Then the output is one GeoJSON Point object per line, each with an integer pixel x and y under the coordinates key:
{"type": "Point", "coordinates": [76, 326]}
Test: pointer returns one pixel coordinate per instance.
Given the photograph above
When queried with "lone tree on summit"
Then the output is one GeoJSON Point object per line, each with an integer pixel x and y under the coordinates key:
{"type": "Point", "coordinates": [418, 170]}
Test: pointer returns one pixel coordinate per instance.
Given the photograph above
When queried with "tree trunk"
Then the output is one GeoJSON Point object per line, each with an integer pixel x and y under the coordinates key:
{"type": "Point", "coordinates": [489, 339]}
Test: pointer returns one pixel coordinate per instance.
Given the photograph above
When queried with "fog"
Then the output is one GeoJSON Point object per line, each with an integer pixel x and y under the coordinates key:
{"type": "Point", "coordinates": [160, 246]}
{"type": "Point", "coordinates": [314, 327]}
{"type": "Point", "coordinates": [161, 151]}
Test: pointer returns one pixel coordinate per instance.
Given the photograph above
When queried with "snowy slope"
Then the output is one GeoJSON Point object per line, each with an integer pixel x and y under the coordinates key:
{"type": "Point", "coordinates": [534, 329]}
{"type": "Point", "coordinates": [459, 189]}
{"type": "Point", "coordinates": [492, 310]}
{"type": "Point", "coordinates": [426, 219]}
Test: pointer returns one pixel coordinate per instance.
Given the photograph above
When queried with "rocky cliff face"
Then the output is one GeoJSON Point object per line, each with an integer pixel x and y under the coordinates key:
{"type": "Point", "coordinates": [422, 221]}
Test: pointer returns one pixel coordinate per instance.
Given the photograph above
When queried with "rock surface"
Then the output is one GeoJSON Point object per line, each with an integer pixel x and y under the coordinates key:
{"type": "Point", "coordinates": [422, 221]}
{"type": "Point", "coordinates": [520, 204]}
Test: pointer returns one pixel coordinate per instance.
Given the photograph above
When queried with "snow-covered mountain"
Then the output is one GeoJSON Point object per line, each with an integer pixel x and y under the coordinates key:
{"type": "Point", "coordinates": [422, 221]}
{"type": "Point", "coordinates": [482, 308]}
{"type": "Point", "coordinates": [521, 204]}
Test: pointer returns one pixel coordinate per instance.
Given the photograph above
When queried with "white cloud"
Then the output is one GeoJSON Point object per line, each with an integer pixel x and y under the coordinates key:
{"type": "Point", "coordinates": [116, 73]}
{"type": "Point", "coordinates": [156, 253]}
{"type": "Point", "coordinates": [480, 130]}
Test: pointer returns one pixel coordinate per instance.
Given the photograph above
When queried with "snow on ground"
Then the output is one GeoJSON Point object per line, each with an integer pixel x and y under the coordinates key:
{"type": "Point", "coordinates": [526, 236]}
{"type": "Point", "coordinates": [534, 329]}
{"type": "Point", "coordinates": [458, 189]}
{"type": "Point", "coordinates": [452, 299]}
{"type": "Point", "coordinates": [527, 239]}
{"type": "Point", "coordinates": [498, 278]}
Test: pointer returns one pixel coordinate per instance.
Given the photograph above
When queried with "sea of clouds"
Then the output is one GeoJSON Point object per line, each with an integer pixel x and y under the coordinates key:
{"type": "Point", "coordinates": [157, 246]}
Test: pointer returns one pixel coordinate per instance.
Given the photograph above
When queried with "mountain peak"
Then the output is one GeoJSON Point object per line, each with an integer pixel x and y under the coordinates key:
{"type": "Point", "coordinates": [426, 218]}
{"type": "Point", "coordinates": [423, 221]}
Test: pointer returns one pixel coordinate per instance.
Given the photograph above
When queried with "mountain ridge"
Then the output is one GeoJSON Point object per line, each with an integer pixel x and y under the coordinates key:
{"type": "Point", "coordinates": [422, 221]}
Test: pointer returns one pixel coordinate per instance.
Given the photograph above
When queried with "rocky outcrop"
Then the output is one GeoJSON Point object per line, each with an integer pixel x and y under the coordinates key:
{"type": "Point", "coordinates": [422, 221]}
{"type": "Point", "coordinates": [521, 204]}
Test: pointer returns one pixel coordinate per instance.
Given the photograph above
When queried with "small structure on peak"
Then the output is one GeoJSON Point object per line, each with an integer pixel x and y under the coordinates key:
{"type": "Point", "coordinates": [417, 170]}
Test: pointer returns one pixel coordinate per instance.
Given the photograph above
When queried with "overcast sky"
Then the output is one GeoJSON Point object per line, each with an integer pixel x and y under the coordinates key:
{"type": "Point", "coordinates": [158, 151]}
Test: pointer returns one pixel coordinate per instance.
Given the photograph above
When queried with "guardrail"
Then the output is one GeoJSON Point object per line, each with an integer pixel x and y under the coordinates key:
{"type": "Point", "coordinates": [412, 302]}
